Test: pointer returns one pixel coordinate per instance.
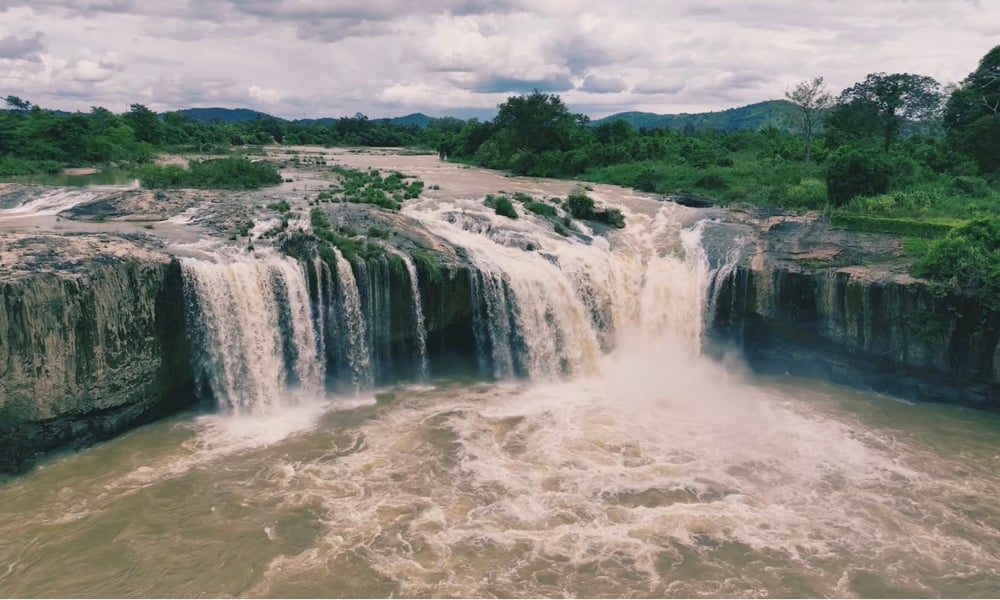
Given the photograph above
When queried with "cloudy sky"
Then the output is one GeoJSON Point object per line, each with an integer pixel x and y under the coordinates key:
{"type": "Point", "coordinates": [310, 58]}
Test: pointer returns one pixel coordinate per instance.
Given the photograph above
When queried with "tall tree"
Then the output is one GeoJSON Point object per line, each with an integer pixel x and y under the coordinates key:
{"type": "Point", "coordinates": [887, 104]}
{"type": "Point", "coordinates": [810, 99]}
{"type": "Point", "coordinates": [972, 115]}
{"type": "Point", "coordinates": [16, 103]}
{"type": "Point", "coordinates": [536, 123]}
{"type": "Point", "coordinates": [144, 123]}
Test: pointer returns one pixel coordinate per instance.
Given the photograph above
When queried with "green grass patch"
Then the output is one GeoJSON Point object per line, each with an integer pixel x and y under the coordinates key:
{"type": "Point", "coordinates": [541, 209]}
{"type": "Point", "coordinates": [912, 228]}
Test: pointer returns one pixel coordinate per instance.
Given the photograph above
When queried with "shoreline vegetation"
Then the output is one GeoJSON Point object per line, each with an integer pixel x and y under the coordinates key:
{"type": "Point", "coordinates": [893, 154]}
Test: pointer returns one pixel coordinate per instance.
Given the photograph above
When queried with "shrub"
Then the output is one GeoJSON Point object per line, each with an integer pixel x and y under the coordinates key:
{"type": "Point", "coordinates": [541, 209]}
{"type": "Point", "coordinates": [857, 172]}
{"type": "Point", "coordinates": [504, 207]}
{"type": "Point", "coordinates": [224, 173]}
{"type": "Point", "coordinates": [281, 206]}
{"type": "Point", "coordinates": [580, 205]}
{"type": "Point", "coordinates": [612, 217]}
{"type": "Point", "coordinates": [969, 257]}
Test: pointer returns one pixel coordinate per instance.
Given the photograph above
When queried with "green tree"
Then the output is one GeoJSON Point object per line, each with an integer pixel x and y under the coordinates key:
{"type": "Point", "coordinates": [144, 123]}
{"type": "Point", "coordinates": [972, 114]}
{"type": "Point", "coordinates": [16, 103]}
{"type": "Point", "coordinates": [886, 104]}
{"type": "Point", "coordinates": [536, 123]}
{"type": "Point", "coordinates": [810, 99]}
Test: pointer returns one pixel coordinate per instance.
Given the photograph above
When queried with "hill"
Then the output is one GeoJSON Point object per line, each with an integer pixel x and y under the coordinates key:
{"type": "Point", "coordinates": [752, 116]}
{"type": "Point", "coordinates": [223, 115]}
{"type": "Point", "coordinates": [246, 115]}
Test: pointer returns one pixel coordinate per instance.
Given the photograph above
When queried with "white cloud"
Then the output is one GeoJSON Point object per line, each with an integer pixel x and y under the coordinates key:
{"type": "Point", "coordinates": [301, 58]}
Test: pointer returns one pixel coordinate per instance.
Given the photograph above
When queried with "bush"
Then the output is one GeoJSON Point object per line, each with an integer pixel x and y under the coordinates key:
{"type": "Point", "coordinates": [502, 206]}
{"type": "Point", "coordinates": [281, 206]}
{"type": "Point", "coordinates": [580, 205]}
{"type": "Point", "coordinates": [612, 217]}
{"type": "Point", "coordinates": [857, 172]}
{"type": "Point", "coordinates": [224, 173]}
{"type": "Point", "coordinates": [969, 257]}
{"type": "Point", "coordinates": [541, 209]}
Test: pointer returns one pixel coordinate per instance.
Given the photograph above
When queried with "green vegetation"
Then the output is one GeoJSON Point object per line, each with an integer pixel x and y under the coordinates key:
{"type": "Point", "coordinates": [501, 205]}
{"type": "Point", "coordinates": [344, 239]}
{"type": "Point", "coordinates": [541, 209]}
{"type": "Point", "coordinates": [282, 206]}
{"type": "Point", "coordinates": [370, 187]}
{"type": "Point", "coordinates": [581, 206]}
{"type": "Point", "coordinates": [225, 173]}
{"type": "Point", "coordinates": [967, 258]}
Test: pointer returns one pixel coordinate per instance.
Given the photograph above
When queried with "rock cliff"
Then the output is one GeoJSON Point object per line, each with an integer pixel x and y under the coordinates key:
{"type": "Point", "coordinates": [91, 341]}
{"type": "Point", "coordinates": [838, 305]}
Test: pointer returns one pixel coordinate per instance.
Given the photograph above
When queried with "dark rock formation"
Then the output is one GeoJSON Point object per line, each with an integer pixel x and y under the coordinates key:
{"type": "Point", "coordinates": [793, 309]}
{"type": "Point", "coordinates": [89, 347]}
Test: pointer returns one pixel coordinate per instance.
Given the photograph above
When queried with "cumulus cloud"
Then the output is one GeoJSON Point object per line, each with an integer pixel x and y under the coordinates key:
{"type": "Point", "coordinates": [12, 46]}
{"type": "Point", "coordinates": [603, 85]}
{"type": "Point", "coordinates": [308, 58]}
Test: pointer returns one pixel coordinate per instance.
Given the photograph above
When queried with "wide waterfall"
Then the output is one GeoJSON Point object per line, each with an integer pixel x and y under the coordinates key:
{"type": "Point", "coordinates": [543, 306]}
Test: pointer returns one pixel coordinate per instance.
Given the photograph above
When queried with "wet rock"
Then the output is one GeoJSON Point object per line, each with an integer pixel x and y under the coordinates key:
{"type": "Point", "coordinates": [839, 305]}
{"type": "Point", "coordinates": [91, 342]}
{"type": "Point", "coordinates": [691, 200]}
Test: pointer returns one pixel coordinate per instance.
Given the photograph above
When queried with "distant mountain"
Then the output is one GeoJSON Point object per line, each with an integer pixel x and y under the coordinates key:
{"type": "Point", "coordinates": [749, 117]}
{"type": "Point", "coordinates": [245, 115]}
{"type": "Point", "coordinates": [223, 115]}
{"type": "Point", "coordinates": [419, 119]}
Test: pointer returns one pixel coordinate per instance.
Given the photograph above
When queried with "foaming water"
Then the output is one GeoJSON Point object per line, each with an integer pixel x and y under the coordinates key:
{"type": "Point", "coordinates": [666, 475]}
{"type": "Point", "coordinates": [50, 203]}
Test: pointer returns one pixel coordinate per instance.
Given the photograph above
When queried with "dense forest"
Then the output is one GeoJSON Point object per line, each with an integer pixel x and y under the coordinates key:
{"type": "Point", "coordinates": [894, 152]}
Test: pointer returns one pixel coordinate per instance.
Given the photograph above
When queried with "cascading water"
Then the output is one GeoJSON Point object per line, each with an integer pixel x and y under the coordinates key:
{"type": "Point", "coordinates": [419, 325]}
{"type": "Point", "coordinates": [252, 325]}
{"type": "Point", "coordinates": [546, 306]}
{"type": "Point", "coordinates": [355, 328]}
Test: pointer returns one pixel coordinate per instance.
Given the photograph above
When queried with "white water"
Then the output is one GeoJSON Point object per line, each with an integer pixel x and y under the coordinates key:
{"type": "Point", "coordinates": [551, 305]}
{"type": "Point", "coordinates": [50, 203]}
{"type": "Point", "coordinates": [354, 322]}
{"type": "Point", "coordinates": [419, 326]}
{"type": "Point", "coordinates": [239, 304]}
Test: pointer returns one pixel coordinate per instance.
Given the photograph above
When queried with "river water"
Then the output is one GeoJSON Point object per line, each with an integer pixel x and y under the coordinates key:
{"type": "Point", "coordinates": [620, 463]}
{"type": "Point", "coordinates": [657, 478]}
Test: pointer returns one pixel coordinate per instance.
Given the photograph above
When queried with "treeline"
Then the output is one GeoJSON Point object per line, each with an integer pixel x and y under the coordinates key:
{"type": "Point", "coordinates": [35, 140]}
{"type": "Point", "coordinates": [888, 133]}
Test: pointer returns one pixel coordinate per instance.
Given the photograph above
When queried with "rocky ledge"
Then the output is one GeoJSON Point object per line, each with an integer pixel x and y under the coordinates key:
{"type": "Point", "coordinates": [838, 305]}
{"type": "Point", "coordinates": [89, 342]}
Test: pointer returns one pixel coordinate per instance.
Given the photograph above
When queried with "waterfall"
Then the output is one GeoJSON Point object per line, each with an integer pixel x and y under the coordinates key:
{"type": "Point", "coordinates": [253, 330]}
{"type": "Point", "coordinates": [547, 306]}
{"type": "Point", "coordinates": [419, 325]}
{"type": "Point", "coordinates": [354, 332]}
{"type": "Point", "coordinates": [543, 305]}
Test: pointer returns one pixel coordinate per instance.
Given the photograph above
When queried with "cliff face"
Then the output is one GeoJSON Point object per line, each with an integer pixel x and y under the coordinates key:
{"type": "Point", "coordinates": [861, 325]}
{"type": "Point", "coordinates": [92, 343]}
